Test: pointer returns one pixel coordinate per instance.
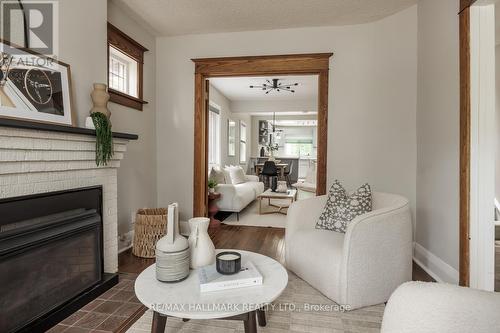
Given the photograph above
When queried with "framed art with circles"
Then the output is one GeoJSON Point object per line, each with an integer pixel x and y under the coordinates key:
{"type": "Point", "coordinates": [34, 87]}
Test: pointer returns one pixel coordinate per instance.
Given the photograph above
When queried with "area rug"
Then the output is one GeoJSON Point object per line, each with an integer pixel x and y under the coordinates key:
{"type": "Point", "coordinates": [250, 215]}
{"type": "Point", "coordinates": [300, 308]}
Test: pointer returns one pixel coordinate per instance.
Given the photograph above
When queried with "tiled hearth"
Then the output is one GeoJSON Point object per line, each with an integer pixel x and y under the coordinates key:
{"type": "Point", "coordinates": [113, 311]}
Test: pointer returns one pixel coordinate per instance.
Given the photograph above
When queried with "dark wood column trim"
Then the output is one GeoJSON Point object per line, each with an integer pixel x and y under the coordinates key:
{"type": "Point", "coordinates": [464, 229]}
{"type": "Point", "coordinates": [322, 132]}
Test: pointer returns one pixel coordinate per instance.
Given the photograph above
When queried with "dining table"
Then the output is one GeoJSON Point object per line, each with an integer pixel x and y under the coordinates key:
{"type": "Point", "coordinates": [280, 166]}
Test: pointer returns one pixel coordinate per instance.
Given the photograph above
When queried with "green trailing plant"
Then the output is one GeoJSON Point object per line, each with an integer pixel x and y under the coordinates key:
{"type": "Point", "coordinates": [212, 183]}
{"type": "Point", "coordinates": [104, 138]}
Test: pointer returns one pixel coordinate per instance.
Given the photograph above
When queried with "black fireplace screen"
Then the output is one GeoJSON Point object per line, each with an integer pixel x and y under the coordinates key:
{"type": "Point", "coordinates": [47, 260]}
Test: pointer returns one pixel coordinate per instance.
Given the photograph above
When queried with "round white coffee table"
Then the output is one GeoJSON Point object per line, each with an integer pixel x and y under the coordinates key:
{"type": "Point", "coordinates": [184, 299]}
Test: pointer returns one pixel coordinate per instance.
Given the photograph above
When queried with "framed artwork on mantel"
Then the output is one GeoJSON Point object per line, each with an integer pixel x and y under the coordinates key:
{"type": "Point", "coordinates": [34, 87]}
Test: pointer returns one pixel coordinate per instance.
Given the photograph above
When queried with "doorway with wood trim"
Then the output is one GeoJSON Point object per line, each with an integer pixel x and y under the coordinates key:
{"type": "Point", "coordinates": [478, 144]}
{"type": "Point", "coordinates": [300, 64]}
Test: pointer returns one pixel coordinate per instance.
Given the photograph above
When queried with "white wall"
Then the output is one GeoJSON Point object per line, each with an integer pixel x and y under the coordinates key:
{"type": "Point", "coordinates": [497, 121]}
{"type": "Point", "coordinates": [83, 45]}
{"type": "Point", "coordinates": [226, 113]}
{"type": "Point", "coordinates": [137, 173]}
{"type": "Point", "coordinates": [438, 138]}
{"type": "Point", "coordinates": [372, 100]}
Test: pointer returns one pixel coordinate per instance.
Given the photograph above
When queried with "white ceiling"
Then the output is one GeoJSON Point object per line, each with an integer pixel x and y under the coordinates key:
{"type": "Point", "coordinates": [238, 88]}
{"type": "Point", "coordinates": [182, 17]}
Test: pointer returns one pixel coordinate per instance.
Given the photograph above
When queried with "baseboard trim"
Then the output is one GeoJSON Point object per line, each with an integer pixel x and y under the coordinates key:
{"type": "Point", "coordinates": [434, 266]}
{"type": "Point", "coordinates": [125, 248]}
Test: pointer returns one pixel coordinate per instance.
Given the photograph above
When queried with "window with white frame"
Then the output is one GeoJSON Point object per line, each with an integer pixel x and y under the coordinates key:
{"type": "Point", "coordinates": [299, 146]}
{"type": "Point", "coordinates": [243, 142]}
{"type": "Point", "coordinates": [213, 136]}
{"type": "Point", "coordinates": [122, 72]}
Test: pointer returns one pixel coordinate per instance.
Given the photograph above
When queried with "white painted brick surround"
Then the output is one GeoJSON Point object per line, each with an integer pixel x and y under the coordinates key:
{"type": "Point", "coordinates": [33, 161]}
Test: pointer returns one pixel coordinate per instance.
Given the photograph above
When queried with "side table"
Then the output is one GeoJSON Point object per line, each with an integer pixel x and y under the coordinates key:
{"type": "Point", "coordinates": [213, 209]}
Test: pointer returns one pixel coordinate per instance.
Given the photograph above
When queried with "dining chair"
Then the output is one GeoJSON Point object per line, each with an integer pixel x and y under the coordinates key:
{"type": "Point", "coordinates": [288, 172]}
{"type": "Point", "coordinates": [269, 170]}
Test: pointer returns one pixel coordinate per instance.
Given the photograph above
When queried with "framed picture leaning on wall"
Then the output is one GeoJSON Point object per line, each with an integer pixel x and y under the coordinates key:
{"type": "Point", "coordinates": [34, 87]}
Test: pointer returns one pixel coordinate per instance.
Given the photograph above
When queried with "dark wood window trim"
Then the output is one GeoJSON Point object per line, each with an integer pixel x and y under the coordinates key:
{"type": "Point", "coordinates": [133, 49]}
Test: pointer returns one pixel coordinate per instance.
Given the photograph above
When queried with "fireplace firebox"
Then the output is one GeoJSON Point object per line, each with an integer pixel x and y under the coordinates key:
{"type": "Point", "coordinates": [51, 257]}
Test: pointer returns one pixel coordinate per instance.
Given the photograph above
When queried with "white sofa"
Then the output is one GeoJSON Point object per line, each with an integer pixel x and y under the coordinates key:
{"type": "Point", "coordinates": [235, 198]}
{"type": "Point", "coordinates": [428, 307]}
{"type": "Point", "coordinates": [361, 267]}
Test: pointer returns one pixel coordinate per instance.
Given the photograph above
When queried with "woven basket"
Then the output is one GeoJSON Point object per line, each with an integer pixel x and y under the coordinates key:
{"type": "Point", "coordinates": [150, 226]}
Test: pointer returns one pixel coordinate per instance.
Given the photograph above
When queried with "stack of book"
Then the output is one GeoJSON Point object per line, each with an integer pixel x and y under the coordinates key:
{"type": "Point", "coordinates": [211, 280]}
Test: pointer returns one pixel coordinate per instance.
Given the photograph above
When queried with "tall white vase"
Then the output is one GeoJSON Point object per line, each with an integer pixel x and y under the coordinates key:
{"type": "Point", "coordinates": [201, 247]}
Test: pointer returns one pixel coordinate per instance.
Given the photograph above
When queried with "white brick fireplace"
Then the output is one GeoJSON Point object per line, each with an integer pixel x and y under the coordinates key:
{"type": "Point", "coordinates": [38, 161]}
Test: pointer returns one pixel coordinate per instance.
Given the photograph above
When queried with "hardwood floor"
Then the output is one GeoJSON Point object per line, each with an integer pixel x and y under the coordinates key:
{"type": "Point", "coordinates": [267, 241]}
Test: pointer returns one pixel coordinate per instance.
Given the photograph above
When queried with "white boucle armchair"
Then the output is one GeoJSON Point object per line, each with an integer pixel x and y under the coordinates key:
{"type": "Point", "coordinates": [361, 267]}
{"type": "Point", "coordinates": [429, 307]}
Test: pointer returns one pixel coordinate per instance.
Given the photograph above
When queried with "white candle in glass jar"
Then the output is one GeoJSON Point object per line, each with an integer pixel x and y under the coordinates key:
{"type": "Point", "coordinates": [228, 256]}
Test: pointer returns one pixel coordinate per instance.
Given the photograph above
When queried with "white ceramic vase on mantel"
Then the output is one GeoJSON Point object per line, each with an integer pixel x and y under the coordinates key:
{"type": "Point", "coordinates": [201, 247]}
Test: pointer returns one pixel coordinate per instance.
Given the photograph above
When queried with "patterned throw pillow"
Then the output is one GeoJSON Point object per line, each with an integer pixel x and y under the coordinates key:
{"type": "Point", "coordinates": [218, 175]}
{"type": "Point", "coordinates": [341, 208]}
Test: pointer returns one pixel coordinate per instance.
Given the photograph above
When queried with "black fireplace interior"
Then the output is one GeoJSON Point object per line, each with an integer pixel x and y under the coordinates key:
{"type": "Point", "coordinates": [51, 257]}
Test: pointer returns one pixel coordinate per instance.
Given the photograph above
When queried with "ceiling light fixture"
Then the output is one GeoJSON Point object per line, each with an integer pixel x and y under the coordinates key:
{"type": "Point", "coordinates": [276, 85]}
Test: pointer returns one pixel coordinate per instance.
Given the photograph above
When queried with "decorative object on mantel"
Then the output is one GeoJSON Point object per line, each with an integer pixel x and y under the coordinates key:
{"type": "Point", "coordinates": [100, 121]}
{"type": "Point", "coordinates": [172, 250]}
{"type": "Point", "coordinates": [34, 87]}
{"type": "Point", "coordinates": [100, 98]}
{"type": "Point", "coordinates": [212, 183]}
{"type": "Point", "coordinates": [201, 246]}
{"type": "Point", "coordinates": [150, 226]}
{"type": "Point", "coordinates": [104, 138]}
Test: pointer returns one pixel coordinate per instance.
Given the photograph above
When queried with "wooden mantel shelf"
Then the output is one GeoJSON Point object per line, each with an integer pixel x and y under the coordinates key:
{"type": "Point", "coordinates": [15, 123]}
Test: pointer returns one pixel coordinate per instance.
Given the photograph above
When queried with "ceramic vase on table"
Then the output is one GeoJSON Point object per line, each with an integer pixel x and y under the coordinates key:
{"type": "Point", "coordinates": [201, 247]}
{"type": "Point", "coordinates": [172, 250]}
